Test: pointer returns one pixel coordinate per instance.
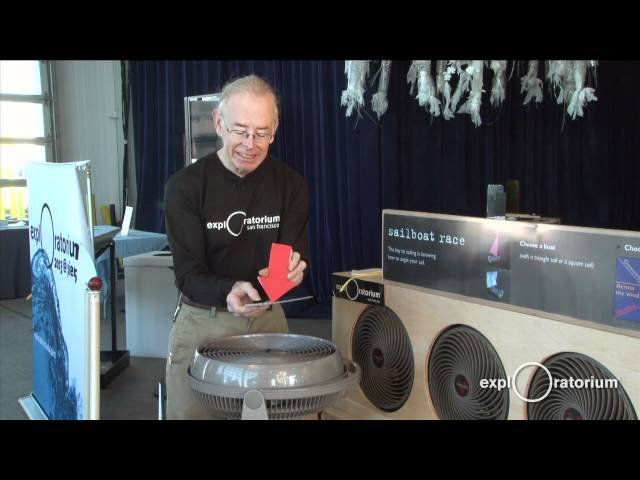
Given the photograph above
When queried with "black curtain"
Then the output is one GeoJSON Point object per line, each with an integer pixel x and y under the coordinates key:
{"type": "Point", "coordinates": [581, 170]}
{"type": "Point", "coordinates": [584, 171]}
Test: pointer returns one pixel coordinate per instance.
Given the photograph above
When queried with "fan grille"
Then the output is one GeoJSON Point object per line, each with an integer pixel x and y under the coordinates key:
{"type": "Point", "coordinates": [381, 346]}
{"type": "Point", "coordinates": [460, 358]}
{"type": "Point", "coordinates": [577, 403]}
{"type": "Point", "coordinates": [238, 349]}
{"type": "Point", "coordinates": [289, 409]}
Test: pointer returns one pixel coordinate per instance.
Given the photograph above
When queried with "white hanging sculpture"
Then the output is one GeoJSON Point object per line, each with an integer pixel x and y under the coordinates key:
{"type": "Point", "coordinates": [498, 89]}
{"type": "Point", "coordinates": [463, 81]}
{"type": "Point", "coordinates": [581, 95]}
{"type": "Point", "coordinates": [379, 102]}
{"type": "Point", "coordinates": [420, 70]}
{"type": "Point", "coordinates": [557, 71]}
{"type": "Point", "coordinates": [472, 105]}
{"type": "Point", "coordinates": [356, 72]}
{"type": "Point", "coordinates": [531, 83]}
{"type": "Point", "coordinates": [567, 80]}
{"type": "Point", "coordinates": [443, 87]}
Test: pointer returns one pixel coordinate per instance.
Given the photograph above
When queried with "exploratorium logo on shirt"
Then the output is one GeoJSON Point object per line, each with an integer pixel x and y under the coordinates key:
{"type": "Point", "coordinates": [238, 221]}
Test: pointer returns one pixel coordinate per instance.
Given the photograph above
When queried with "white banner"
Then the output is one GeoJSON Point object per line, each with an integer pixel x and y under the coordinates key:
{"type": "Point", "coordinates": [62, 262]}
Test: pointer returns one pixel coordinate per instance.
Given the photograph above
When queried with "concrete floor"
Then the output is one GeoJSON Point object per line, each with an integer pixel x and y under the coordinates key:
{"type": "Point", "coordinates": [133, 393]}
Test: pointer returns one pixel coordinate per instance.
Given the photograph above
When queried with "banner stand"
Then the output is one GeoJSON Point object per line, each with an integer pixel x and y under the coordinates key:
{"type": "Point", "coordinates": [65, 314]}
{"type": "Point", "coordinates": [32, 408]}
{"type": "Point", "coordinates": [92, 315]}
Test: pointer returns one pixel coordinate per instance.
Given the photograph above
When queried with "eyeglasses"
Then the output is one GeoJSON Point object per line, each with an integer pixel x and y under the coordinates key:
{"type": "Point", "coordinates": [258, 137]}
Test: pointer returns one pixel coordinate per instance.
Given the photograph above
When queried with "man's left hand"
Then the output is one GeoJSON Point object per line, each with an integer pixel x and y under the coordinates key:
{"type": "Point", "coordinates": [296, 269]}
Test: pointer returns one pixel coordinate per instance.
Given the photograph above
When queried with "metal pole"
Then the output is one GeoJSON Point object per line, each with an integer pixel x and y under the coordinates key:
{"type": "Point", "coordinates": [112, 282]}
{"type": "Point", "coordinates": [92, 313]}
{"type": "Point", "coordinates": [161, 415]}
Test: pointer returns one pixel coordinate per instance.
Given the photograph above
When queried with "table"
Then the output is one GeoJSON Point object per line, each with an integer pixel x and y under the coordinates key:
{"type": "Point", "coordinates": [135, 243]}
{"type": "Point", "coordinates": [108, 248]}
{"type": "Point", "coordinates": [15, 257]}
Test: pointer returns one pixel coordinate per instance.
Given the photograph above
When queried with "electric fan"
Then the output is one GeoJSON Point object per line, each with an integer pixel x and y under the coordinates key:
{"type": "Point", "coordinates": [270, 376]}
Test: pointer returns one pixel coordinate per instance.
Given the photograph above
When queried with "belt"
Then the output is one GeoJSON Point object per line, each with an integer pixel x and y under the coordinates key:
{"type": "Point", "coordinates": [187, 301]}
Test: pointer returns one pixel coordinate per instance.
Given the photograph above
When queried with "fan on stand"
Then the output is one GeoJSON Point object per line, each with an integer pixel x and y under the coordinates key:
{"type": "Point", "coordinates": [270, 376]}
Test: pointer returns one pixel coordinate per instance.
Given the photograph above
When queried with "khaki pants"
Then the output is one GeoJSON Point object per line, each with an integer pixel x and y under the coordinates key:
{"type": "Point", "coordinates": [196, 327]}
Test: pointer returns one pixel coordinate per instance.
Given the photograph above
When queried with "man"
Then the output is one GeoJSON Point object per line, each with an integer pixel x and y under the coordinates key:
{"type": "Point", "coordinates": [222, 215]}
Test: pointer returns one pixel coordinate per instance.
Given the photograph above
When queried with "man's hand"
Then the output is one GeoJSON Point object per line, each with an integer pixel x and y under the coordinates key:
{"type": "Point", "coordinates": [240, 294]}
{"type": "Point", "coordinates": [296, 269]}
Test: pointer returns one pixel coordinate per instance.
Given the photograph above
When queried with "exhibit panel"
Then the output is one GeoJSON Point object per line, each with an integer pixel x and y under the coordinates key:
{"type": "Point", "coordinates": [474, 347]}
{"type": "Point", "coordinates": [200, 133]}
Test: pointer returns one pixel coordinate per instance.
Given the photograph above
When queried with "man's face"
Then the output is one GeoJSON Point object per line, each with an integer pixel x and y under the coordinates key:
{"type": "Point", "coordinates": [247, 127]}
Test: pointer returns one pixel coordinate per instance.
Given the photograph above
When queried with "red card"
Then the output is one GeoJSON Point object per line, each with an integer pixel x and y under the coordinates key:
{"type": "Point", "coordinates": [277, 284]}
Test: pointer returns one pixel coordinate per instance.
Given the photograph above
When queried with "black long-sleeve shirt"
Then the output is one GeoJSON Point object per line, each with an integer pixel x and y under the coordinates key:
{"type": "Point", "coordinates": [220, 226]}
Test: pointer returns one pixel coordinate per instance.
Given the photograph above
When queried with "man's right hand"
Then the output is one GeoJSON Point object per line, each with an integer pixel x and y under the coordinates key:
{"type": "Point", "coordinates": [242, 293]}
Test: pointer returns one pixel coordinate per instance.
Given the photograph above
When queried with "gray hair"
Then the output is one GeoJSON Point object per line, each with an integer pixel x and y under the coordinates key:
{"type": "Point", "coordinates": [249, 84]}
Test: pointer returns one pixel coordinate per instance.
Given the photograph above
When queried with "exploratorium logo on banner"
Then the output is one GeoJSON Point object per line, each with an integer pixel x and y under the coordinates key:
{"type": "Point", "coordinates": [557, 383]}
{"type": "Point", "coordinates": [61, 265]}
{"type": "Point", "coordinates": [67, 250]}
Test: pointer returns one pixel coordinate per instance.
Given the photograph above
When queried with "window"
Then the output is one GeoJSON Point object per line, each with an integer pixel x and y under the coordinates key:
{"type": "Point", "coordinates": [26, 129]}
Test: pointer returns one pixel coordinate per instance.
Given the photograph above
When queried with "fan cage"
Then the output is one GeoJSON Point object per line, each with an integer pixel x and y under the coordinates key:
{"type": "Point", "coordinates": [288, 409]}
{"type": "Point", "coordinates": [381, 346]}
{"type": "Point", "coordinates": [310, 348]}
{"type": "Point", "coordinates": [577, 403]}
{"type": "Point", "coordinates": [312, 369]}
{"type": "Point", "coordinates": [462, 352]}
